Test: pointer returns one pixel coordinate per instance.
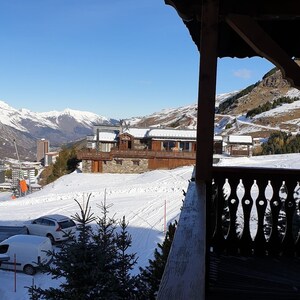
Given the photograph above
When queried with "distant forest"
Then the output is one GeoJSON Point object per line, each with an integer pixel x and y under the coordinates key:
{"type": "Point", "coordinates": [280, 143]}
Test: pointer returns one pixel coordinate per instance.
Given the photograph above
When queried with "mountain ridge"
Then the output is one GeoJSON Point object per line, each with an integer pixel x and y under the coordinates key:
{"type": "Point", "coordinates": [71, 125]}
{"type": "Point", "coordinates": [26, 127]}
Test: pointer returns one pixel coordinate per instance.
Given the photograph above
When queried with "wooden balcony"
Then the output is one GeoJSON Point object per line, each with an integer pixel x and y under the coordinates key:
{"type": "Point", "coordinates": [142, 154]}
{"type": "Point", "coordinates": [246, 246]}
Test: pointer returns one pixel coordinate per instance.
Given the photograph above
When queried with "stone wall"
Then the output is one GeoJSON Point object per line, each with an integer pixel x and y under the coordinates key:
{"type": "Point", "coordinates": [125, 165]}
{"type": "Point", "coordinates": [86, 166]}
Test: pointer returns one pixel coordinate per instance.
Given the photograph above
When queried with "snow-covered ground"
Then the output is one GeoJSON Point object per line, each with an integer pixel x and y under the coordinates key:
{"type": "Point", "coordinates": [140, 197]}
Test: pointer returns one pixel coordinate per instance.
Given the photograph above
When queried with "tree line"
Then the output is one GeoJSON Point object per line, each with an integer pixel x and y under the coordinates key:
{"type": "Point", "coordinates": [280, 143]}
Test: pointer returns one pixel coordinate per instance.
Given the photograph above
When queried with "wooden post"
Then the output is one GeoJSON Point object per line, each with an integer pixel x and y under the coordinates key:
{"type": "Point", "coordinates": [206, 116]}
{"type": "Point", "coordinates": [165, 218]}
{"type": "Point", "coordinates": [207, 89]}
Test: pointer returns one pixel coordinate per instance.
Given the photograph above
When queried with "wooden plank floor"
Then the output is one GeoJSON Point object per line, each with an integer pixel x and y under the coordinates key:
{"type": "Point", "coordinates": [256, 278]}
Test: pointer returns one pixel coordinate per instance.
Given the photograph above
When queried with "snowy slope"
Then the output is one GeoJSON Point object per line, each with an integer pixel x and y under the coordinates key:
{"type": "Point", "coordinates": [140, 197]}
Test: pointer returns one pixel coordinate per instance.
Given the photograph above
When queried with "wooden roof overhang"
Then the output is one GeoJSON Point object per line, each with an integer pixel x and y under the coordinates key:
{"type": "Point", "coordinates": [235, 28]}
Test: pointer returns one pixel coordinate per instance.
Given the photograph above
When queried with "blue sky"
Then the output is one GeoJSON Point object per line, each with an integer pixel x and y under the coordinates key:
{"type": "Point", "coordinates": [117, 58]}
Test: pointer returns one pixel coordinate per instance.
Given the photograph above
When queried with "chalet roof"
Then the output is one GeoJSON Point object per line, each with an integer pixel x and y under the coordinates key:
{"type": "Point", "coordinates": [137, 132]}
{"type": "Point", "coordinates": [239, 139]}
{"type": "Point", "coordinates": [218, 138]}
{"type": "Point", "coordinates": [52, 153]}
{"type": "Point", "coordinates": [107, 136]}
{"type": "Point", "coordinates": [140, 133]}
{"type": "Point", "coordinates": [171, 133]}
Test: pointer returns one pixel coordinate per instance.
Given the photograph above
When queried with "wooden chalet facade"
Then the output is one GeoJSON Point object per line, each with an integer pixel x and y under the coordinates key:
{"type": "Point", "coordinates": [209, 259]}
{"type": "Point", "coordinates": [135, 150]}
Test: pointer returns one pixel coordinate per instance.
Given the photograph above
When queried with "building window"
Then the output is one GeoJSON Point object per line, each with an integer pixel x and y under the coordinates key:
{"type": "Point", "coordinates": [168, 145]}
{"type": "Point", "coordinates": [119, 161]}
{"type": "Point", "coordinates": [136, 162]}
{"type": "Point", "coordinates": [184, 146]}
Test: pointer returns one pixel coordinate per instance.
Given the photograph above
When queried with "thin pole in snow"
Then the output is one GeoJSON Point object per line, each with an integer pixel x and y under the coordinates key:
{"type": "Point", "coordinates": [15, 273]}
{"type": "Point", "coordinates": [165, 217]}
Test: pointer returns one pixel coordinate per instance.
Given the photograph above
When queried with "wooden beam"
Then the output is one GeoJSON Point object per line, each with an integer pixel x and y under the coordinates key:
{"type": "Point", "coordinates": [207, 89]}
{"type": "Point", "coordinates": [265, 46]}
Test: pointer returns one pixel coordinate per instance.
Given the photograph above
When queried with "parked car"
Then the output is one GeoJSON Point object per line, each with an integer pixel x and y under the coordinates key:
{"type": "Point", "coordinates": [56, 227]}
{"type": "Point", "coordinates": [24, 252]}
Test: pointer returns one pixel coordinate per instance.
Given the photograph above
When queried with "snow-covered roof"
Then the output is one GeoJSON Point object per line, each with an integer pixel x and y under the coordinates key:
{"type": "Point", "coordinates": [218, 138]}
{"type": "Point", "coordinates": [240, 139]}
{"type": "Point", "coordinates": [52, 153]}
{"type": "Point", "coordinates": [140, 133]}
{"type": "Point", "coordinates": [26, 239]}
{"type": "Point", "coordinates": [137, 132]}
{"type": "Point", "coordinates": [172, 133]}
{"type": "Point", "coordinates": [107, 136]}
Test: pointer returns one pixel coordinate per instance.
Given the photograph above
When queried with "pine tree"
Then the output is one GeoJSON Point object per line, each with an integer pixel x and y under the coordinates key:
{"type": "Point", "coordinates": [127, 283]}
{"type": "Point", "coordinates": [151, 276]}
{"type": "Point", "coordinates": [105, 240]}
{"type": "Point", "coordinates": [91, 264]}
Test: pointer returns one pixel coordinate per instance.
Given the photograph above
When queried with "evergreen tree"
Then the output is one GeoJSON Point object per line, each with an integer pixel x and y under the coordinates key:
{"type": "Point", "coordinates": [105, 239]}
{"type": "Point", "coordinates": [281, 142]}
{"type": "Point", "coordinates": [151, 276]}
{"type": "Point", "coordinates": [72, 160]}
{"type": "Point", "coordinates": [66, 163]}
{"type": "Point", "coordinates": [127, 283]}
{"type": "Point", "coordinates": [91, 263]}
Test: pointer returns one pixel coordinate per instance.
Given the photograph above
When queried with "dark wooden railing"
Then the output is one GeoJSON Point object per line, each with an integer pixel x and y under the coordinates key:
{"type": "Point", "coordinates": [264, 198]}
{"type": "Point", "coordinates": [98, 155]}
{"type": "Point", "coordinates": [93, 155]}
{"type": "Point", "coordinates": [227, 258]}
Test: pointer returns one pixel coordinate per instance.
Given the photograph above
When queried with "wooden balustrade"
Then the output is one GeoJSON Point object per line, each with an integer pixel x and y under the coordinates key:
{"type": "Point", "coordinates": [93, 155]}
{"type": "Point", "coordinates": [254, 211]}
{"type": "Point", "coordinates": [98, 155]}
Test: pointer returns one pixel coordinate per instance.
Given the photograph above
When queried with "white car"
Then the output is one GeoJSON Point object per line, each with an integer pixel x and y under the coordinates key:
{"type": "Point", "coordinates": [56, 227]}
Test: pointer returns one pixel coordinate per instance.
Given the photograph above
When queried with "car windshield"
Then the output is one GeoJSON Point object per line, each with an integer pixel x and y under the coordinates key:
{"type": "Point", "coordinates": [66, 224]}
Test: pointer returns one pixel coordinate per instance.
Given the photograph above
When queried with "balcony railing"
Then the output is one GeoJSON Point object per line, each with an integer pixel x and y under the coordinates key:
{"type": "Point", "coordinates": [255, 211]}
{"type": "Point", "coordinates": [93, 155]}
{"type": "Point", "coordinates": [249, 237]}
{"type": "Point", "coordinates": [146, 154]}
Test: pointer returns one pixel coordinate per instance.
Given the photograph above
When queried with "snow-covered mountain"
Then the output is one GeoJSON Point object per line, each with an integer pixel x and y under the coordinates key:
{"type": "Point", "coordinates": [23, 119]}
{"type": "Point", "coordinates": [182, 117]}
{"type": "Point", "coordinates": [25, 127]}
{"type": "Point", "coordinates": [231, 108]}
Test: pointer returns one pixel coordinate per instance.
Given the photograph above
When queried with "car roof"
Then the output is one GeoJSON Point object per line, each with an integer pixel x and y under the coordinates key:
{"type": "Point", "coordinates": [56, 217]}
{"type": "Point", "coordinates": [24, 238]}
